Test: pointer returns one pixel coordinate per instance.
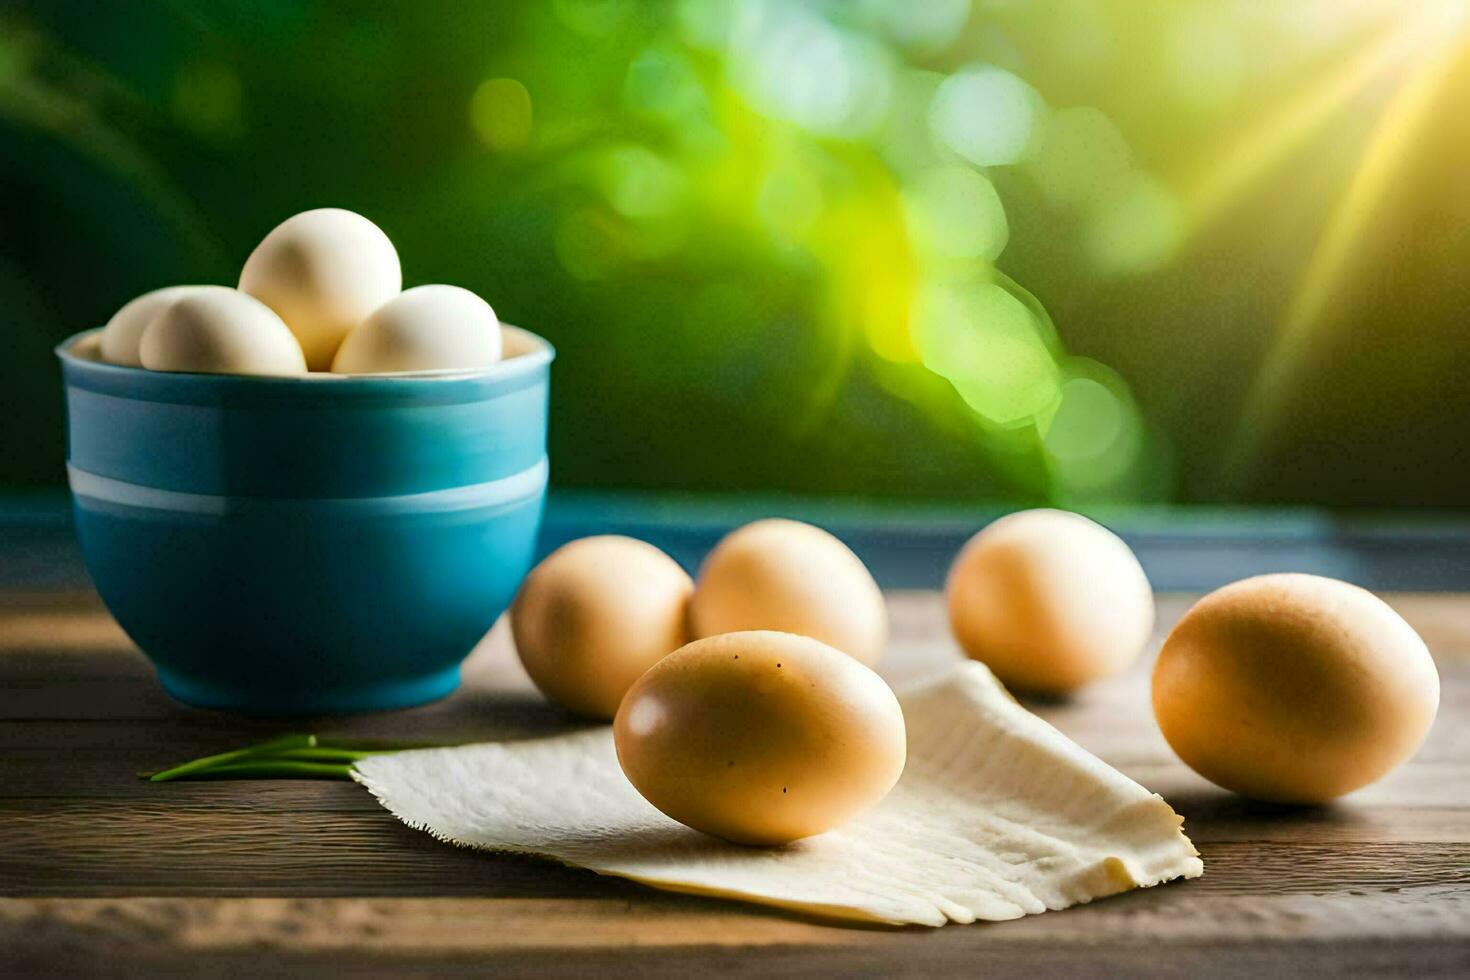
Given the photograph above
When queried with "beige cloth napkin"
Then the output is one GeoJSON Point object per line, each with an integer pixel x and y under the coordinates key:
{"type": "Point", "coordinates": [998, 815]}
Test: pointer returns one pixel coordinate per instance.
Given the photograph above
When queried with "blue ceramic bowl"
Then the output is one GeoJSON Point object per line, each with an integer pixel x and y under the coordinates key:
{"type": "Point", "coordinates": [306, 545]}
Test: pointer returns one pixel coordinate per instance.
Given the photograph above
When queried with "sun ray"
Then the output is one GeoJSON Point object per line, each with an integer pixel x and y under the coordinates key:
{"type": "Point", "coordinates": [1383, 48]}
{"type": "Point", "coordinates": [1393, 137]}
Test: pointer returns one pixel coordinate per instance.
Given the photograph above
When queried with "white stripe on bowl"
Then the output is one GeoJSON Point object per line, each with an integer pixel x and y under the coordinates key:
{"type": "Point", "coordinates": [506, 490]}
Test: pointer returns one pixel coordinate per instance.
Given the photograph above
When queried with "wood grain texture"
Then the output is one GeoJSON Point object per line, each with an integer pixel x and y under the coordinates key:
{"type": "Point", "coordinates": [108, 875]}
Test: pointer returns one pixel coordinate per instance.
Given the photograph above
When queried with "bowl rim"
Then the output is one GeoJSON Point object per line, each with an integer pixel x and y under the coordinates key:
{"type": "Point", "coordinates": [187, 386]}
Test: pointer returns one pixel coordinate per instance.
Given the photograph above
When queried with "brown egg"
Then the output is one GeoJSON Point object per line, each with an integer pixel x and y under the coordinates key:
{"type": "Point", "coordinates": [784, 575]}
{"type": "Point", "coordinates": [594, 615]}
{"type": "Point", "coordinates": [761, 737]}
{"type": "Point", "coordinates": [1049, 601]}
{"type": "Point", "coordinates": [1294, 688]}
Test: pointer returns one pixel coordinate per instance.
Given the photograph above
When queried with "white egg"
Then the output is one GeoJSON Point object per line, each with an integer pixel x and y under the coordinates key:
{"type": "Point", "coordinates": [515, 342]}
{"type": "Point", "coordinates": [217, 330]}
{"type": "Point", "coordinates": [88, 348]}
{"type": "Point", "coordinates": [123, 332]}
{"type": "Point", "coordinates": [427, 328]}
{"type": "Point", "coordinates": [323, 272]}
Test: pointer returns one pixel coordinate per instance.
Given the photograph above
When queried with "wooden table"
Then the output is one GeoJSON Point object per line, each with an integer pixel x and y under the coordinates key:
{"type": "Point", "coordinates": [105, 874]}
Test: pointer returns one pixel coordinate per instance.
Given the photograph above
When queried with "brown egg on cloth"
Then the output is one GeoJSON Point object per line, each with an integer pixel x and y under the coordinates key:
{"type": "Point", "coordinates": [761, 737]}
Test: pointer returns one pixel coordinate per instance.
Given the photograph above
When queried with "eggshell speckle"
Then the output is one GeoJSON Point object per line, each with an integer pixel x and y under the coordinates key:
{"type": "Point", "coordinates": [124, 332]}
{"type": "Point", "coordinates": [1049, 601]}
{"type": "Point", "coordinates": [428, 328]}
{"type": "Point", "coordinates": [216, 330]}
{"type": "Point", "coordinates": [323, 272]}
{"type": "Point", "coordinates": [594, 615]}
{"type": "Point", "coordinates": [761, 737]}
{"type": "Point", "coordinates": [1294, 688]}
{"type": "Point", "coordinates": [783, 575]}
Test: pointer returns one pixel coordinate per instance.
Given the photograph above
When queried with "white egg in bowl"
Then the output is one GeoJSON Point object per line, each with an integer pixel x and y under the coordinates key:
{"type": "Point", "coordinates": [427, 328]}
{"type": "Point", "coordinates": [218, 330]}
{"type": "Point", "coordinates": [323, 272]}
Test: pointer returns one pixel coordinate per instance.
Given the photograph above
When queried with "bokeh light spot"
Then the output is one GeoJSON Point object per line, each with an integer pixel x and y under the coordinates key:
{"type": "Point", "coordinates": [500, 114]}
{"type": "Point", "coordinates": [639, 183]}
{"type": "Point", "coordinates": [984, 341]}
{"type": "Point", "coordinates": [662, 84]}
{"type": "Point", "coordinates": [1137, 230]}
{"type": "Point", "coordinates": [795, 66]}
{"type": "Point", "coordinates": [923, 28]}
{"type": "Point", "coordinates": [987, 115]}
{"type": "Point", "coordinates": [1095, 441]}
{"type": "Point", "coordinates": [1081, 158]}
{"type": "Point", "coordinates": [955, 213]}
{"type": "Point", "coordinates": [595, 18]}
{"type": "Point", "coordinates": [1086, 423]}
{"type": "Point", "coordinates": [706, 23]}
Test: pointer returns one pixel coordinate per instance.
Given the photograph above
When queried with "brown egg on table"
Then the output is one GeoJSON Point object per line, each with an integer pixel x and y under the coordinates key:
{"type": "Point", "coordinates": [1294, 688]}
{"type": "Point", "coordinates": [791, 577]}
{"type": "Point", "coordinates": [761, 737]}
{"type": "Point", "coordinates": [594, 615]}
{"type": "Point", "coordinates": [1049, 601]}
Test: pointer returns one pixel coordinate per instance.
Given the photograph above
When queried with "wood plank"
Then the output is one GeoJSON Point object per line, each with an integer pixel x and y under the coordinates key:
{"type": "Point", "coordinates": [1419, 800]}
{"type": "Point", "coordinates": [73, 956]}
{"type": "Point", "coordinates": [110, 875]}
{"type": "Point", "coordinates": [1137, 932]}
{"type": "Point", "coordinates": [85, 847]}
{"type": "Point", "coordinates": [450, 925]}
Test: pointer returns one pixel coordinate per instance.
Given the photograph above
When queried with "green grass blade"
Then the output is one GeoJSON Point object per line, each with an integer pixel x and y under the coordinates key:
{"type": "Point", "coordinates": [283, 743]}
{"type": "Point", "coordinates": [325, 753]}
{"type": "Point", "coordinates": [272, 769]}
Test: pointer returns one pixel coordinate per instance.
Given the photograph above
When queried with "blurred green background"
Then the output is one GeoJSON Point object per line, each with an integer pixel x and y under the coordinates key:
{"type": "Point", "coordinates": [1084, 252]}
